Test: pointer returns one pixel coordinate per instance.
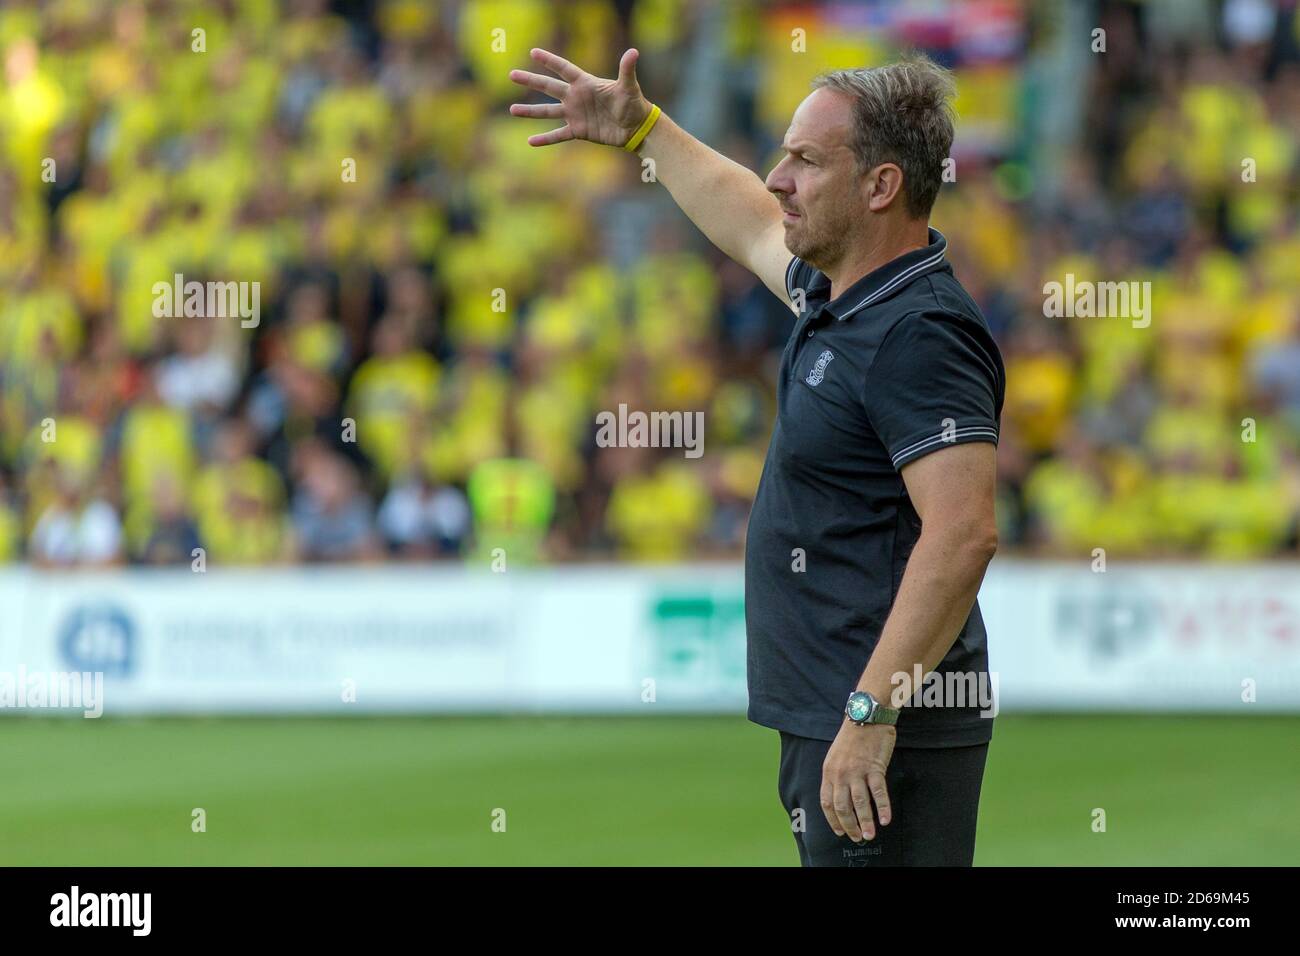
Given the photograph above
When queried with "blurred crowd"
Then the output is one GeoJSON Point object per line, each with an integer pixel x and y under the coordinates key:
{"type": "Point", "coordinates": [444, 310]}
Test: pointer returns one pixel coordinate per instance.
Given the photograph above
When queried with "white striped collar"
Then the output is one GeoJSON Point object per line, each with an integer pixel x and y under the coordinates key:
{"type": "Point", "coordinates": [880, 283]}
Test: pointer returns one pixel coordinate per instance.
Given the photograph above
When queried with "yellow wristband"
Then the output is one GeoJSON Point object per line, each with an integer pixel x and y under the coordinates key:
{"type": "Point", "coordinates": [643, 131]}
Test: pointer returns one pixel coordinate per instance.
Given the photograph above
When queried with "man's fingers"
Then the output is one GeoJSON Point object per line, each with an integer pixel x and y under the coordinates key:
{"type": "Point", "coordinates": [542, 84]}
{"type": "Point", "coordinates": [538, 110]}
{"type": "Point", "coordinates": [880, 794]}
{"type": "Point", "coordinates": [627, 68]}
{"type": "Point", "coordinates": [862, 808]}
{"type": "Point", "coordinates": [828, 807]}
{"type": "Point", "coordinates": [561, 135]}
{"type": "Point", "coordinates": [556, 64]}
{"type": "Point", "coordinates": [843, 801]}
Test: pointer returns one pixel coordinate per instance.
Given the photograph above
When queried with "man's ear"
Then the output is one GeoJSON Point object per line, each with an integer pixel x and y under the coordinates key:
{"type": "Point", "coordinates": [884, 183]}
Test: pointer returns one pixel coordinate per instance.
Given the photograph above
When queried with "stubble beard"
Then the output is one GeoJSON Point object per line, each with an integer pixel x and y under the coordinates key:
{"type": "Point", "coordinates": [821, 248]}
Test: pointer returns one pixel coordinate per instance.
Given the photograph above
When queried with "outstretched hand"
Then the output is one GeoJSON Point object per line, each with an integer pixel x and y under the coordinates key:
{"type": "Point", "coordinates": [597, 110]}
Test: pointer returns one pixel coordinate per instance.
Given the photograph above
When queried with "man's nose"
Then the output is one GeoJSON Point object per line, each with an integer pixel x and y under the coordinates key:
{"type": "Point", "coordinates": [778, 181]}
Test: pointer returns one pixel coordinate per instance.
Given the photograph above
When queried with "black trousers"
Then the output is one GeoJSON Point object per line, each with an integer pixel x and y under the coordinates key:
{"type": "Point", "coordinates": [934, 794]}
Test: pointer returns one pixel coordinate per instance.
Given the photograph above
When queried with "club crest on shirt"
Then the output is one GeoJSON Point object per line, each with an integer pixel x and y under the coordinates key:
{"type": "Point", "coordinates": [818, 371]}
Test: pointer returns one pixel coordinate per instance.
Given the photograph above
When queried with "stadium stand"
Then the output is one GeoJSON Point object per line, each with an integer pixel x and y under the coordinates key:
{"type": "Point", "coordinates": [445, 310]}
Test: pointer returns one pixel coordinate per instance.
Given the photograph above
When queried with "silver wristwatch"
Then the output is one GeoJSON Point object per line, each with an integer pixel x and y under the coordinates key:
{"type": "Point", "coordinates": [863, 709]}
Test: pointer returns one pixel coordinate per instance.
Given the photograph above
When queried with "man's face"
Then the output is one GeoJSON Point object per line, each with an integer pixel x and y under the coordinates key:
{"type": "Point", "coordinates": [817, 181]}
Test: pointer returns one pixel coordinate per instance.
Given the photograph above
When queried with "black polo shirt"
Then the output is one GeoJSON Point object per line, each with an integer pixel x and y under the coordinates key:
{"type": "Point", "coordinates": [900, 365]}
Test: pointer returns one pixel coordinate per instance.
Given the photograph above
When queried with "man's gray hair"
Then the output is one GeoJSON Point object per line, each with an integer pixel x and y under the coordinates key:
{"type": "Point", "coordinates": [902, 115]}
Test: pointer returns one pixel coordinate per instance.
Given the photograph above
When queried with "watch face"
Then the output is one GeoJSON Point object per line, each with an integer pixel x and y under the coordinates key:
{"type": "Point", "coordinates": [859, 706]}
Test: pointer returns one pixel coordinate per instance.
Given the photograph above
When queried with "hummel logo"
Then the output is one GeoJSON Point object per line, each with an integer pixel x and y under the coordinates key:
{"type": "Point", "coordinates": [818, 371]}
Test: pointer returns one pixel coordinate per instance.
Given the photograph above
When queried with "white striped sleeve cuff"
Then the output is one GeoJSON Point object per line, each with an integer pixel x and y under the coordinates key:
{"type": "Point", "coordinates": [947, 436]}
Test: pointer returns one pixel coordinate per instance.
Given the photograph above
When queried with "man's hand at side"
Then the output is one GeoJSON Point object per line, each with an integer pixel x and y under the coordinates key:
{"type": "Point", "coordinates": [853, 777]}
{"type": "Point", "coordinates": [593, 109]}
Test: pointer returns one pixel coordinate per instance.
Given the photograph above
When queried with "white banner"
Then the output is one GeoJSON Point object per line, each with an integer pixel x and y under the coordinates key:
{"type": "Point", "coordinates": [616, 639]}
{"type": "Point", "coordinates": [1180, 637]}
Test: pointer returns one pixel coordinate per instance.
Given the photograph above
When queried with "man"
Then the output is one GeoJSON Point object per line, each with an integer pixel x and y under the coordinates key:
{"type": "Point", "coordinates": [873, 522]}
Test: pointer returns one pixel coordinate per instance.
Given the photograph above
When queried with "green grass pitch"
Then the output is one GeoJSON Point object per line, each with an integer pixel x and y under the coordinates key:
{"type": "Point", "coordinates": [608, 791]}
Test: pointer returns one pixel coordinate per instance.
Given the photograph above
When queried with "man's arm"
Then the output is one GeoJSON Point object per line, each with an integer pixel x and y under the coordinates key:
{"type": "Point", "coordinates": [728, 202]}
{"type": "Point", "coordinates": [953, 493]}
